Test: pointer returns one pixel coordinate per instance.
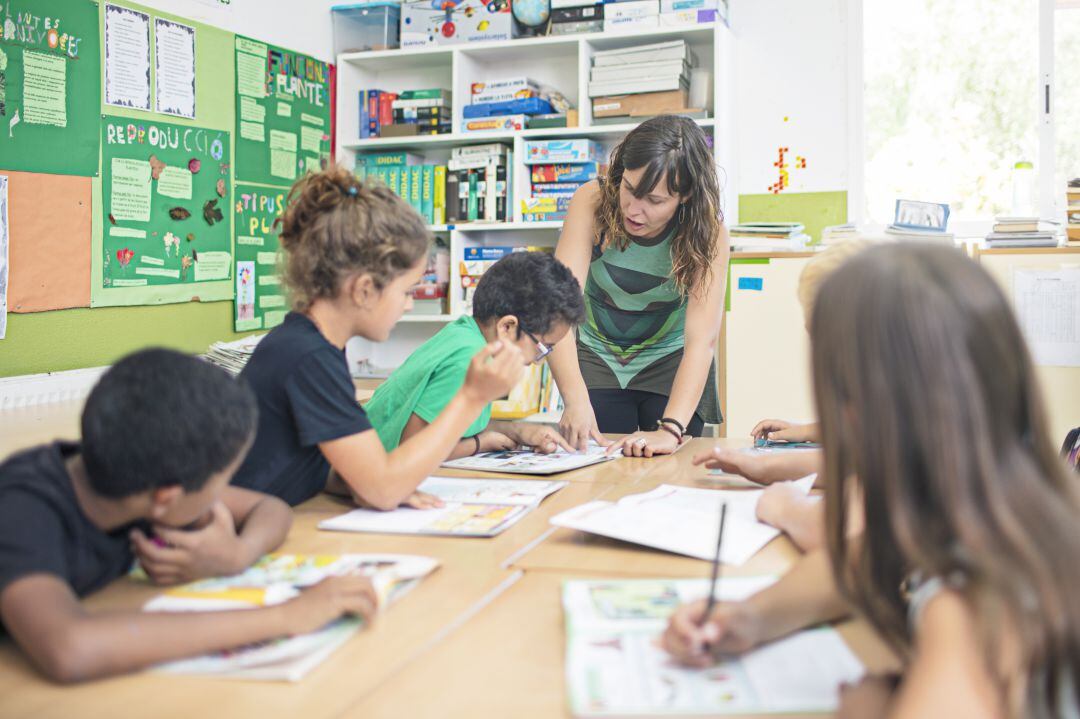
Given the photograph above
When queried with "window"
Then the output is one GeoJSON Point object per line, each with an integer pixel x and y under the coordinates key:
{"type": "Point", "coordinates": [954, 107]}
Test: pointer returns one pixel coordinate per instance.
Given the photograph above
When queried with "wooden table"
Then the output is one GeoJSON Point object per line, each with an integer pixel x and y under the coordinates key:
{"type": "Point", "coordinates": [483, 636]}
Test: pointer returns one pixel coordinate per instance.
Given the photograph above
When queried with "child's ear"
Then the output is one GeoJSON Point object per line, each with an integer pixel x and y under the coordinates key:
{"type": "Point", "coordinates": [162, 499]}
{"type": "Point", "coordinates": [506, 328]}
{"type": "Point", "coordinates": [362, 289]}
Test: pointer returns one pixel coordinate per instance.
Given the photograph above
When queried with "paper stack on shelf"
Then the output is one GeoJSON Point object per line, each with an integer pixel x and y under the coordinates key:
{"type": "Point", "coordinates": [233, 356]}
{"type": "Point", "coordinates": [835, 234]}
{"type": "Point", "coordinates": [1021, 232]}
{"type": "Point", "coordinates": [641, 81]}
{"type": "Point", "coordinates": [768, 237]}
{"type": "Point", "coordinates": [681, 13]}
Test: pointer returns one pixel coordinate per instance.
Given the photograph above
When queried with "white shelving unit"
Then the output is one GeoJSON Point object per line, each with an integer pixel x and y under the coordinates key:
{"type": "Point", "coordinates": [563, 62]}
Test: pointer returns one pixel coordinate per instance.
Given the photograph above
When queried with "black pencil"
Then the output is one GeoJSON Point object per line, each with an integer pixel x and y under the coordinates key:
{"type": "Point", "coordinates": [716, 566]}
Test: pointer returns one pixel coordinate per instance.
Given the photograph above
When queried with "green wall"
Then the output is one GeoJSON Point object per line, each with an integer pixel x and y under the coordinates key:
{"type": "Point", "coordinates": [72, 339]}
{"type": "Point", "coordinates": [816, 210]}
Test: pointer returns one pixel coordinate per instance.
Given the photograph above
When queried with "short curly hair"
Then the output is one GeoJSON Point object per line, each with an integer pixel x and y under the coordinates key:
{"type": "Point", "coordinates": [532, 286]}
{"type": "Point", "coordinates": [334, 225]}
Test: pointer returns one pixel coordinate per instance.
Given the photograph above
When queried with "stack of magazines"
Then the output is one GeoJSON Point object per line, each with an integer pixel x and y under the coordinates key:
{"type": "Point", "coordinates": [233, 356]}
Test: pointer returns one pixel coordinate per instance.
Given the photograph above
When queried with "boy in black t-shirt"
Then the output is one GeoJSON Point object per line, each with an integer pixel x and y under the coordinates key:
{"type": "Point", "coordinates": [162, 434]}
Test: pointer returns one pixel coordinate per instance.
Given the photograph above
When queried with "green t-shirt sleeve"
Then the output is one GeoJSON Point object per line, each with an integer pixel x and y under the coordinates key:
{"type": "Point", "coordinates": [443, 384]}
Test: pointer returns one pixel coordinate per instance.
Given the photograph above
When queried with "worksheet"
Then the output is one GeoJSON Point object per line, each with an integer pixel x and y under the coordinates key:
{"type": "Point", "coordinates": [615, 668]}
{"type": "Point", "coordinates": [473, 508]}
{"type": "Point", "coordinates": [526, 461]}
{"type": "Point", "coordinates": [683, 520]}
{"type": "Point", "coordinates": [274, 579]}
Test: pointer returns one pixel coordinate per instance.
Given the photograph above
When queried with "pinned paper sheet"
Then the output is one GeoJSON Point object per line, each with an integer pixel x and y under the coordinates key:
{"type": "Point", "coordinates": [175, 182]}
{"type": "Point", "coordinates": [1048, 309]}
{"type": "Point", "coordinates": [250, 68]}
{"type": "Point", "coordinates": [212, 266]}
{"type": "Point", "coordinates": [127, 58]}
{"type": "Point", "coordinates": [131, 187]}
{"type": "Point", "coordinates": [175, 63]}
{"type": "Point", "coordinates": [284, 109]}
{"type": "Point", "coordinates": [44, 89]}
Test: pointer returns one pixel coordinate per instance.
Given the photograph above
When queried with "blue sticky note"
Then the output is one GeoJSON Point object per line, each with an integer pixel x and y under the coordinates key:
{"type": "Point", "coordinates": [751, 283]}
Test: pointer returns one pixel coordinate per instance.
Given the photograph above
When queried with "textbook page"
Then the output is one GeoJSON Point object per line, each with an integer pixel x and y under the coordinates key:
{"type": "Point", "coordinates": [490, 491]}
{"type": "Point", "coordinates": [614, 668]}
{"type": "Point", "coordinates": [274, 579]}
{"type": "Point", "coordinates": [683, 520]}
{"type": "Point", "coordinates": [525, 461]}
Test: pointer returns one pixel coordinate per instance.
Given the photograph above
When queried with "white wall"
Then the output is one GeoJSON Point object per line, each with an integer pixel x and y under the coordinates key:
{"type": "Point", "coordinates": [792, 91]}
{"type": "Point", "coordinates": [301, 26]}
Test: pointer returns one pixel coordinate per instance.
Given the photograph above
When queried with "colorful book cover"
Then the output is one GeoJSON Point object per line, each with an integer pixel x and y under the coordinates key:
{"type": "Point", "coordinates": [415, 190]}
{"type": "Point", "coordinates": [438, 215]}
{"type": "Point", "coordinates": [427, 193]}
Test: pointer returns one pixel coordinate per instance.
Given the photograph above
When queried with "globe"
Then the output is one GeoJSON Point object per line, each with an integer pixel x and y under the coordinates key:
{"type": "Point", "coordinates": [531, 13]}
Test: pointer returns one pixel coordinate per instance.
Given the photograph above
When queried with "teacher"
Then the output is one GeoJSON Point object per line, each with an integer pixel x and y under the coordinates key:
{"type": "Point", "coordinates": [648, 245]}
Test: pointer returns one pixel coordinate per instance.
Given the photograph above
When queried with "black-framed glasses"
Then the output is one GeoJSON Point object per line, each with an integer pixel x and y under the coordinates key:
{"type": "Point", "coordinates": [542, 350]}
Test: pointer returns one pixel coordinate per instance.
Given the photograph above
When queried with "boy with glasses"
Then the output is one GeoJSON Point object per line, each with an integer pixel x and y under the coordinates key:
{"type": "Point", "coordinates": [528, 299]}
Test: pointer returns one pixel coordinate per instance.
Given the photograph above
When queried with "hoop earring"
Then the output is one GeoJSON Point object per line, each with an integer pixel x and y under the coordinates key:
{"type": "Point", "coordinates": [682, 212]}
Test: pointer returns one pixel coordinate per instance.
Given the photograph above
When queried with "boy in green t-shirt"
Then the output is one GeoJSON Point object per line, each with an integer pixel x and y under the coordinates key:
{"type": "Point", "coordinates": [529, 299]}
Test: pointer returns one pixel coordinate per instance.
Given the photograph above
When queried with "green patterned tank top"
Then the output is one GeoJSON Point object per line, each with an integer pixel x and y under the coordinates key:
{"type": "Point", "coordinates": [634, 331]}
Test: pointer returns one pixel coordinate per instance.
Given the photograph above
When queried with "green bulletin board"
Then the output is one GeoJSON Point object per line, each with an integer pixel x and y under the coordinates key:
{"type": "Point", "coordinates": [260, 300]}
{"type": "Point", "coordinates": [283, 110]}
{"type": "Point", "coordinates": [50, 74]}
{"type": "Point", "coordinates": [166, 195]}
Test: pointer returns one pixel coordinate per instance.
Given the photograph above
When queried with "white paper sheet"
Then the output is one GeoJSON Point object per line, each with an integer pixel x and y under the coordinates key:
{"type": "Point", "coordinates": [1048, 309]}
{"type": "Point", "coordinates": [683, 520]}
{"type": "Point", "coordinates": [528, 462]}
{"type": "Point", "coordinates": [614, 668]}
{"type": "Point", "coordinates": [455, 519]}
{"type": "Point", "coordinates": [494, 491]}
{"type": "Point", "coordinates": [174, 47]}
{"type": "Point", "coordinates": [127, 58]}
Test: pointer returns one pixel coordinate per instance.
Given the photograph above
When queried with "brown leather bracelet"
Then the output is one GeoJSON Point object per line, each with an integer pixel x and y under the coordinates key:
{"type": "Point", "coordinates": [678, 437]}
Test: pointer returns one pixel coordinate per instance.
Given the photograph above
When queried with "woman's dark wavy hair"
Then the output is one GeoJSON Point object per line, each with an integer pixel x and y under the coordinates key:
{"type": "Point", "coordinates": [672, 147]}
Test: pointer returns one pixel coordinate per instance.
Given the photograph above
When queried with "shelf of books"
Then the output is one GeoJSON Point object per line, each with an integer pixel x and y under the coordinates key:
{"type": "Point", "coordinates": [490, 140]}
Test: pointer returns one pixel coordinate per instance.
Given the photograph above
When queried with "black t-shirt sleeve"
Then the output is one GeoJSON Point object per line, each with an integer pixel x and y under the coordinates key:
{"type": "Point", "coordinates": [323, 399]}
{"type": "Point", "coordinates": [31, 538]}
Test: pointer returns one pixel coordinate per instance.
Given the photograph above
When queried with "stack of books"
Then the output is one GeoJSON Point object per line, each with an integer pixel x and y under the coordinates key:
{"type": "Point", "coordinates": [233, 356]}
{"type": "Point", "coordinates": [680, 13]}
{"type": "Point", "coordinates": [835, 234]}
{"type": "Point", "coordinates": [411, 112]}
{"type": "Point", "coordinates": [501, 105]}
{"type": "Point", "coordinates": [478, 183]}
{"type": "Point", "coordinates": [641, 81]}
{"type": "Point", "coordinates": [1020, 232]}
{"type": "Point", "coordinates": [570, 17]}
{"type": "Point", "coordinates": [422, 185]}
{"type": "Point", "coordinates": [626, 16]}
{"type": "Point", "coordinates": [1072, 209]}
{"type": "Point", "coordinates": [769, 237]}
{"type": "Point", "coordinates": [557, 169]}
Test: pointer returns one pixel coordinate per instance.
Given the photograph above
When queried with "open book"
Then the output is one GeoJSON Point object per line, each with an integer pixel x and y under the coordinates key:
{"type": "Point", "coordinates": [683, 520]}
{"type": "Point", "coordinates": [614, 668]}
{"type": "Point", "coordinates": [473, 508]}
{"type": "Point", "coordinates": [274, 579]}
{"type": "Point", "coordinates": [525, 461]}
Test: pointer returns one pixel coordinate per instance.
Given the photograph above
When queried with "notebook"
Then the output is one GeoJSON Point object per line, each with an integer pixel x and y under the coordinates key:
{"type": "Point", "coordinates": [614, 668]}
{"type": "Point", "coordinates": [474, 507]}
{"type": "Point", "coordinates": [272, 580]}
{"type": "Point", "coordinates": [682, 520]}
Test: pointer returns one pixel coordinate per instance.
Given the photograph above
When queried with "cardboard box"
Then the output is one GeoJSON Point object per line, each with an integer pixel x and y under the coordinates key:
{"type": "Point", "coordinates": [503, 90]}
{"type": "Point", "coordinates": [649, 103]}
{"type": "Point", "coordinates": [544, 152]}
{"type": "Point", "coordinates": [463, 21]}
{"type": "Point", "coordinates": [682, 18]}
{"type": "Point", "coordinates": [582, 172]}
{"type": "Point", "coordinates": [499, 122]}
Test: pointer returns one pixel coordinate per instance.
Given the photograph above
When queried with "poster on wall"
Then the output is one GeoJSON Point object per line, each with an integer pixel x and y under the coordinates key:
{"type": "Point", "coordinates": [260, 298]}
{"type": "Point", "coordinates": [165, 197]}
{"type": "Point", "coordinates": [174, 54]}
{"type": "Point", "coordinates": [283, 111]}
{"type": "Point", "coordinates": [50, 86]}
{"type": "Point", "coordinates": [127, 58]}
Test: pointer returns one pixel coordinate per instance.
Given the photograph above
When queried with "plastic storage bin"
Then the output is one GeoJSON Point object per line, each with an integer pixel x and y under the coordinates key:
{"type": "Point", "coordinates": [366, 26]}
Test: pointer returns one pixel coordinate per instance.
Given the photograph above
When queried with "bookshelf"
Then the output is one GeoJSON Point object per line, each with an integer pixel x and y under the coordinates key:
{"type": "Point", "coordinates": [562, 62]}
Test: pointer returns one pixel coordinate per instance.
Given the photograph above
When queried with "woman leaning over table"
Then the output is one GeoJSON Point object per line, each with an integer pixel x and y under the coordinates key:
{"type": "Point", "coordinates": [648, 244]}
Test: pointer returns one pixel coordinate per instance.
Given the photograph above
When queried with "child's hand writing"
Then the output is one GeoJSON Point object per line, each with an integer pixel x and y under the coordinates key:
{"type": "Point", "coordinates": [351, 594]}
{"type": "Point", "coordinates": [732, 628]}
{"type": "Point", "coordinates": [182, 556]}
{"type": "Point", "coordinates": [493, 372]}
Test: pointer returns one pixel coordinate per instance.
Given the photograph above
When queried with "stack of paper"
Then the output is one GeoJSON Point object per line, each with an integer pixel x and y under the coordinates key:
{"type": "Point", "coordinates": [274, 579]}
{"type": "Point", "coordinates": [682, 520]}
{"type": "Point", "coordinates": [1021, 232]}
{"type": "Point", "coordinates": [614, 668]}
{"type": "Point", "coordinates": [472, 508]}
{"type": "Point", "coordinates": [659, 67]}
{"type": "Point", "coordinates": [233, 356]}
{"type": "Point", "coordinates": [525, 461]}
{"type": "Point", "coordinates": [769, 237]}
